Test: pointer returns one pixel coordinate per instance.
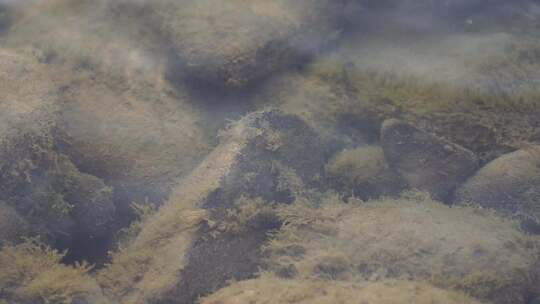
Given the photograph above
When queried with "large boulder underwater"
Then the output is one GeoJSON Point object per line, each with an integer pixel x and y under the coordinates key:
{"type": "Point", "coordinates": [43, 186]}
{"type": "Point", "coordinates": [327, 182]}
{"type": "Point", "coordinates": [412, 237]}
{"type": "Point", "coordinates": [509, 184]}
{"type": "Point", "coordinates": [235, 43]}
{"type": "Point", "coordinates": [257, 202]}
{"type": "Point", "coordinates": [218, 218]}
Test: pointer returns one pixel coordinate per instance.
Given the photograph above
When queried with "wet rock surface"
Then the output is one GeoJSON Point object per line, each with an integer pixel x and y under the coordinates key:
{"type": "Point", "coordinates": [110, 114]}
{"type": "Point", "coordinates": [363, 173]}
{"type": "Point", "coordinates": [12, 226]}
{"type": "Point", "coordinates": [509, 184]}
{"type": "Point", "coordinates": [411, 237]}
{"type": "Point", "coordinates": [266, 158]}
{"type": "Point", "coordinates": [425, 161]}
{"type": "Point", "coordinates": [213, 261]}
{"type": "Point", "coordinates": [136, 146]}
{"type": "Point", "coordinates": [268, 288]}
{"type": "Point", "coordinates": [280, 157]}
{"type": "Point", "coordinates": [60, 203]}
{"type": "Point", "coordinates": [92, 209]}
{"type": "Point", "coordinates": [234, 43]}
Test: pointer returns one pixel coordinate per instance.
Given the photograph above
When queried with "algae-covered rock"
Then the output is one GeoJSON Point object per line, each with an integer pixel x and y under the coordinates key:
{"type": "Point", "coordinates": [363, 172]}
{"type": "Point", "coordinates": [213, 226]}
{"type": "Point", "coordinates": [31, 273]}
{"type": "Point", "coordinates": [269, 289]}
{"type": "Point", "coordinates": [233, 43]}
{"type": "Point", "coordinates": [89, 204]}
{"type": "Point", "coordinates": [139, 137]}
{"type": "Point", "coordinates": [92, 200]}
{"type": "Point", "coordinates": [425, 161]}
{"type": "Point", "coordinates": [509, 184]}
{"type": "Point", "coordinates": [414, 237]}
{"type": "Point", "coordinates": [27, 121]}
{"type": "Point", "coordinates": [281, 159]}
{"type": "Point", "coordinates": [118, 119]}
{"type": "Point", "coordinates": [277, 149]}
{"type": "Point", "coordinates": [58, 201]}
{"type": "Point", "coordinates": [12, 226]}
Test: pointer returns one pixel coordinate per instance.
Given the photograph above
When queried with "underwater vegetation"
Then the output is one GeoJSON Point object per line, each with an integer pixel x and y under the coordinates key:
{"type": "Point", "coordinates": [283, 151]}
{"type": "Point", "coordinates": [269, 288]}
{"type": "Point", "coordinates": [412, 237]}
{"type": "Point", "coordinates": [32, 273]}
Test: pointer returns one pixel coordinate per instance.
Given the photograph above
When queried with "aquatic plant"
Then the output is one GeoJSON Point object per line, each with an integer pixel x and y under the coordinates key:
{"type": "Point", "coordinates": [268, 288]}
{"type": "Point", "coordinates": [32, 272]}
{"type": "Point", "coordinates": [356, 166]}
{"type": "Point", "coordinates": [472, 250]}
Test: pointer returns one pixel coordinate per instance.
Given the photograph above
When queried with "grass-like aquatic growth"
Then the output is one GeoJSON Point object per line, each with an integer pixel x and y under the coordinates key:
{"type": "Point", "coordinates": [269, 289]}
{"type": "Point", "coordinates": [414, 237]}
{"type": "Point", "coordinates": [355, 166]}
{"type": "Point", "coordinates": [32, 273]}
{"type": "Point", "coordinates": [485, 104]}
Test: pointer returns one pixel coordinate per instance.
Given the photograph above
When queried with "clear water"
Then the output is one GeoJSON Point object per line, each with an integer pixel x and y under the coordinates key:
{"type": "Point", "coordinates": [270, 151]}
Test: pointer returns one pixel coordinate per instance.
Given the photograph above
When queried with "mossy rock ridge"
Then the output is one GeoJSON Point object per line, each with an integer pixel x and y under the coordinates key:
{"type": "Point", "coordinates": [281, 160]}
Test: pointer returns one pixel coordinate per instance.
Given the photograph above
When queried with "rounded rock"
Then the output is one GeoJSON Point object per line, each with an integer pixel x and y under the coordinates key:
{"type": "Point", "coordinates": [509, 184]}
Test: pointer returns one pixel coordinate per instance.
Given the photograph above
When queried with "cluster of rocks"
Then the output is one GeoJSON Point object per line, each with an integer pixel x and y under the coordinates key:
{"type": "Point", "coordinates": [274, 193]}
{"type": "Point", "coordinates": [75, 155]}
{"type": "Point", "coordinates": [129, 142]}
{"type": "Point", "coordinates": [447, 171]}
{"type": "Point", "coordinates": [269, 162]}
{"type": "Point", "coordinates": [50, 195]}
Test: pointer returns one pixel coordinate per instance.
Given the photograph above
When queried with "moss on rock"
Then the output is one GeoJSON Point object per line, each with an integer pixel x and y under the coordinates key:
{"type": "Point", "coordinates": [412, 237]}
{"type": "Point", "coordinates": [268, 288]}
{"type": "Point", "coordinates": [31, 273]}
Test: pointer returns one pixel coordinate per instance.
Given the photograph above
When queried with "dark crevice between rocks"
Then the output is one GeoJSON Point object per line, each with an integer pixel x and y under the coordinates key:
{"type": "Point", "coordinates": [213, 261]}
{"type": "Point", "coordinates": [82, 246]}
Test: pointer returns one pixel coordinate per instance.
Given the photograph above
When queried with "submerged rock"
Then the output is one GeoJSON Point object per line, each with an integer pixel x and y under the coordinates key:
{"type": "Point", "coordinates": [364, 173]}
{"type": "Point", "coordinates": [233, 43]}
{"type": "Point", "coordinates": [425, 161]}
{"type": "Point", "coordinates": [26, 133]}
{"type": "Point", "coordinates": [60, 203]}
{"type": "Point", "coordinates": [139, 138]}
{"type": "Point", "coordinates": [89, 204]}
{"type": "Point", "coordinates": [509, 184]}
{"type": "Point", "coordinates": [12, 226]}
{"type": "Point", "coordinates": [223, 211]}
{"type": "Point", "coordinates": [33, 274]}
{"type": "Point", "coordinates": [281, 159]}
{"type": "Point", "coordinates": [269, 289]}
{"type": "Point", "coordinates": [412, 237]}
